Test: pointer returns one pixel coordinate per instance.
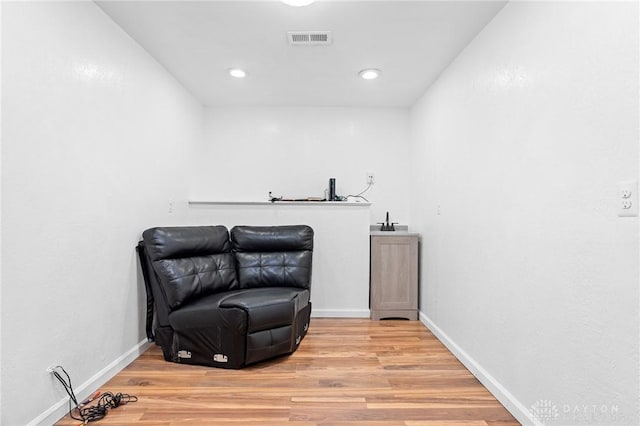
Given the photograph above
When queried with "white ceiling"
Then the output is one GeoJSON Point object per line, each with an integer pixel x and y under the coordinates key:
{"type": "Point", "coordinates": [198, 41]}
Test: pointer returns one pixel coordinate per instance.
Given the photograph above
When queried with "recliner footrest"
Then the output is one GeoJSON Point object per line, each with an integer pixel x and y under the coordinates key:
{"type": "Point", "coordinates": [269, 343]}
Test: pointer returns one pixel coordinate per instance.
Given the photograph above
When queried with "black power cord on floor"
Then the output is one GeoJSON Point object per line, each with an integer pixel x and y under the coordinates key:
{"type": "Point", "coordinates": [96, 412]}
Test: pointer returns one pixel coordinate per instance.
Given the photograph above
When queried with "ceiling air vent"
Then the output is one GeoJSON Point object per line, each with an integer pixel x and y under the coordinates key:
{"type": "Point", "coordinates": [307, 38]}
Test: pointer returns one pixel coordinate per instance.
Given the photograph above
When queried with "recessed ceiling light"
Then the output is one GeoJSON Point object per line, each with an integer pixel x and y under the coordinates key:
{"type": "Point", "coordinates": [237, 73]}
{"type": "Point", "coordinates": [370, 73]}
{"type": "Point", "coordinates": [298, 3]}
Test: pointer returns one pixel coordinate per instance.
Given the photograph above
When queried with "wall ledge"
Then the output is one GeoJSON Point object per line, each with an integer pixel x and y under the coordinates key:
{"type": "Point", "coordinates": [278, 203]}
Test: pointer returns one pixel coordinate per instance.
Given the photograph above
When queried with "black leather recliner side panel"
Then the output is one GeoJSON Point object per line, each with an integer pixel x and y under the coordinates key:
{"type": "Point", "coordinates": [163, 333]}
{"type": "Point", "coordinates": [303, 320]}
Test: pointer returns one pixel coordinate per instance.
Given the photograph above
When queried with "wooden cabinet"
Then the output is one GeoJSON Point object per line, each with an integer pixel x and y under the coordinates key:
{"type": "Point", "coordinates": [394, 275]}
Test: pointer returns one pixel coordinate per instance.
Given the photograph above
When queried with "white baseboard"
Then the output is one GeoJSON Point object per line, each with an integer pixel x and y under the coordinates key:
{"type": "Point", "coordinates": [61, 408]}
{"type": "Point", "coordinates": [506, 398]}
{"type": "Point", "coordinates": [340, 313]}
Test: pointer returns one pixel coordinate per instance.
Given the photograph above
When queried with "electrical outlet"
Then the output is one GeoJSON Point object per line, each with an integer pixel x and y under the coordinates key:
{"type": "Point", "coordinates": [370, 178]}
{"type": "Point", "coordinates": [51, 368]}
{"type": "Point", "coordinates": [628, 198]}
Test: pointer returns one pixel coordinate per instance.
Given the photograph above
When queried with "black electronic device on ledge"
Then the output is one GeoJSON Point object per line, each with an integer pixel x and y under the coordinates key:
{"type": "Point", "coordinates": [332, 190]}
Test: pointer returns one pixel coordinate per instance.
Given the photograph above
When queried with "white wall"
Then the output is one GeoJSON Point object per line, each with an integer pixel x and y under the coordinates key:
{"type": "Point", "coordinates": [96, 138]}
{"type": "Point", "coordinates": [0, 217]}
{"type": "Point", "coordinates": [527, 272]}
{"type": "Point", "coordinates": [249, 151]}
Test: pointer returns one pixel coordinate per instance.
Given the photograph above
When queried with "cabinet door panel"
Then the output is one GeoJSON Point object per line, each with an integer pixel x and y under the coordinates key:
{"type": "Point", "coordinates": [394, 275]}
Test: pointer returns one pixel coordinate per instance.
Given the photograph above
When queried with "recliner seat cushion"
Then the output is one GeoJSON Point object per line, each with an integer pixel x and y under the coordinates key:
{"type": "Point", "coordinates": [242, 310]}
{"type": "Point", "coordinates": [205, 312]}
{"type": "Point", "coordinates": [268, 308]}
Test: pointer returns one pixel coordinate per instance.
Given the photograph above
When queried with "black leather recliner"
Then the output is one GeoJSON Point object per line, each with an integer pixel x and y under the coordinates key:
{"type": "Point", "coordinates": [227, 300]}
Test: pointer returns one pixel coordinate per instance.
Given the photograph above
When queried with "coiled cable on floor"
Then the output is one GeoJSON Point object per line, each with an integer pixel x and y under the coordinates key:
{"type": "Point", "coordinates": [106, 401]}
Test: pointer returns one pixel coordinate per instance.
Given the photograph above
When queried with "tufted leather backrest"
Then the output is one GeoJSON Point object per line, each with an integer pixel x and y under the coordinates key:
{"type": "Point", "coordinates": [273, 256]}
{"type": "Point", "coordinates": [191, 261]}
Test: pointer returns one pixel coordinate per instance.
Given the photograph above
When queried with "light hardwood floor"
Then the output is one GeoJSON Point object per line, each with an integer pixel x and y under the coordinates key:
{"type": "Point", "coordinates": [345, 372]}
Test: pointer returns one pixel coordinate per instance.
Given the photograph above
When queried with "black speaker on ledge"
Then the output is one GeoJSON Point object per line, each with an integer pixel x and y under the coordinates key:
{"type": "Point", "coordinates": [332, 189]}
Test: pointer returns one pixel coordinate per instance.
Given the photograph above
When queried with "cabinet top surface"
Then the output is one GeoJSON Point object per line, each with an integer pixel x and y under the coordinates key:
{"type": "Point", "coordinates": [394, 234]}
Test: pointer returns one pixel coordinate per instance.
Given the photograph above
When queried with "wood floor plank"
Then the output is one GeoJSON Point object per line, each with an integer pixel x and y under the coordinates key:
{"type": "Point", "coordinates": [346, 372]}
